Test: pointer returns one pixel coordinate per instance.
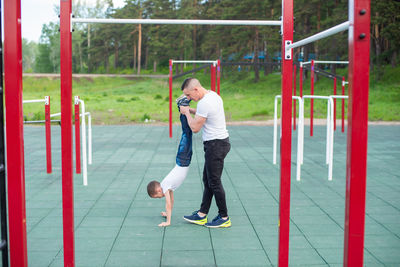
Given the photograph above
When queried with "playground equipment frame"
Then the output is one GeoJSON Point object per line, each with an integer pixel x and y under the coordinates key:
{"type": "Point", "coordinates": [358, 27]}
{"type": "Point", "coordinates": [215, 64]}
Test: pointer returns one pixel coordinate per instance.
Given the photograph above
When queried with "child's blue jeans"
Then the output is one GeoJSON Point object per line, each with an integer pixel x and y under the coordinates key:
{"type": "Point", "coordinates": [185, 152]}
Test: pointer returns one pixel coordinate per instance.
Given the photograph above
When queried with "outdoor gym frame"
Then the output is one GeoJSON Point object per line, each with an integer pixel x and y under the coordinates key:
{"type": "Point", "coordinates": [358, 28]}
{"type": "Point", "coordinates": [215, 79]}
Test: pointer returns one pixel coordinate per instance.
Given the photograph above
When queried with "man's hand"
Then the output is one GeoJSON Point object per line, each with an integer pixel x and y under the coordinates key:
{"type": "Point", "coordinates": [184, 109]}
{"type": "Point", "coordinates": [164, 214]}
{"type": "Point", "coordinates": [163, 224]}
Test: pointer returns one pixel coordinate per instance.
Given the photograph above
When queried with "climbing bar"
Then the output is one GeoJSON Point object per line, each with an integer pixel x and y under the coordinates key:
{"type": "Point", "coordinates": [180, 21]}
{"type": "Point", "coordinates": [331, 31]}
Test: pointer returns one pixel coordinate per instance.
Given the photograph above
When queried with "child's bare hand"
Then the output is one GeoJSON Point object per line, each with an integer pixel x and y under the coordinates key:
{"type": "Point", "coordinates": [164, 214]}
{"type": "Point", "coordinates": [163, 224]}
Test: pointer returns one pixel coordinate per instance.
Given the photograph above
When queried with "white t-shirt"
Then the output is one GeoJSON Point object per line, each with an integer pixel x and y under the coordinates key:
{"type": "Point", "coordinates": [174, 178]}
{"type": "Point", "coordinates": [211, 107]}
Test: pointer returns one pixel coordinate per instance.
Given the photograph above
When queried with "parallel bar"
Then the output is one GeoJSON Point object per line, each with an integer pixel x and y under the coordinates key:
{"type": "Point", "coordinates": [218, 76]}
{"type": "Point", "coordinates": [343, 84]}
{"type": "Point", "coordinates": [15, 134]}
{"type": "Point", "coordinates": [195, 61]}
{"type": "Point", "coordinates": [312, 100]}
{"type": "Point", "coordinates": [33, 101]}
{"type": "Point", "coordinates": [180, 21]}
{"type": "Point", "coordinates": [77, 136]}
{"type": "Point", "coordinates": [286, 140]}
{"type": "Point", "coordinates": [357, 133]}
{"type": "Point", "coordinates": [294, 100]}
{"type": "Point", "coordinates": [325, 62]}
{"type": "Point", "coordinates": [331, 31]}
{"type": "Point", "coordinates": [66, 132]}
{"type": "Point", "coordinates": [84, 157]}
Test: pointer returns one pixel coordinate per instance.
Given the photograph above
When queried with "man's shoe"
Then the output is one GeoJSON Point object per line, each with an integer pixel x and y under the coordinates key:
{"type": "Point", "coordinates": [182, 101]}
{"type": "Point", "coordinates": [218, 222]}
{"type": "Point", "coordinates": [195, 218]}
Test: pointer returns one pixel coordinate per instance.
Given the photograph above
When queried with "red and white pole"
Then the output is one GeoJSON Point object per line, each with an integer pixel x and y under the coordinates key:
{"type": "Point", "coordinates": [170, 98]}
{"type": "Point", "coordinates": [48, 132]}
{"type": "Point", "coordinates": [66, 131]}
{"type": "Point", "coordinates": [312, 100]}
{"type": "Point", "coordinates": [77, 136]}
{"type": "Point", "coordinates": [357, 132]}
{"type": "Point", "coordinates": [334, 104]}
{"type": "Point", "coordinates": [14, 134]}
{"type": "Point", "coordinates": [343, 84]}
{"type": "Point", "coordinates": [286, 139]}
{"type": "Point", "coordinates": [218, 76]}
{"type": "Point", "coordinates": [294, 100]}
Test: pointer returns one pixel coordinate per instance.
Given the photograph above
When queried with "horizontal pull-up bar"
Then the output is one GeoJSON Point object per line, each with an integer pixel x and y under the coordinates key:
{"type": "Point", "coordinates": [338, 28]}
{"type": "Point", "coordinates": [324, 62]}
{"type": "Point", "coordinates": [195, 61]}
{"type": "Point", "coordinates": [180, 21]}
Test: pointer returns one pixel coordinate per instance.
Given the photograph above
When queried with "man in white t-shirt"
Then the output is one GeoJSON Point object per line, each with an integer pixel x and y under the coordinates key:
{"type": "Point", "coordinates": [210, 117]}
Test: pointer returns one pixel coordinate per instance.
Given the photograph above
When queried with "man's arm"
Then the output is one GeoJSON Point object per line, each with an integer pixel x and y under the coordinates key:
{"type": "Point", "coordinates": [169, 195]}
{"type": "Point", "coordinates": [194, 123]}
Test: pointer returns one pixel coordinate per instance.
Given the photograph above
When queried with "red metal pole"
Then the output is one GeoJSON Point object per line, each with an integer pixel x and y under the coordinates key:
{"type": "Point", "coordinates": [218, 76]}
{"type": "Point", "coordinates": [66, 132]}
{"type": "Point", "coordinates": [294, 100]}
{"type": "Point", "coordinates": [48, 133]}
{"type": "Point", "coordinates": [312, 100]}
{"type": "Point", "coordinates": [170, 98]}
{"type": "Point", "coordinates": [334, 104]}
{"type": "Point", "coordinates": [286, 139]}
{"type": "Point", "coordinates": [357, 133]}
{"type": "Point", "coordinates": [301, 80]}
{"type": "Point", "coordinates": [15, 133]}
{"type": "Point", "coordinates": [343, 80]}
{"type": "Point", "coordinates": [77, 136]}
{"type": "Point", "coordinates": [212, 77]}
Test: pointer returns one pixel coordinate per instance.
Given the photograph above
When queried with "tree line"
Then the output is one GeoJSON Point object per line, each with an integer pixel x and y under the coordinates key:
{"type": "Point", "coordinates": [129, 48]}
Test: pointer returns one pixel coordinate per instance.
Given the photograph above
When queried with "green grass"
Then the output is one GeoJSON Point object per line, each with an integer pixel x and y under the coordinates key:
{"type": "Point", "coordinates": [121, 100]}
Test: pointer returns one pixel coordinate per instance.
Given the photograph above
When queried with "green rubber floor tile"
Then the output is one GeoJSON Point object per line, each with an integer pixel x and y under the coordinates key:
{"type": "Point", "coordinates": [173, 258]}
{"type": "Point", "coordinates": [46, 232]}
{"type": "Point", "coordinates": [138, 243]}
{"type": "Point", "coordinates": [145, 231]}
{"type": "Point", "coordinates": [143, 220]}
{"type": "Point", "coordinates": [237, 242]}
{"type": "Point", "coordinates": [41, 258]}
{"type": "Point", "coordinates": [326, 241]}
{"type": "Point", "coordinates": [93, 244]}
{"type": "Point", "coordinates": [185, 243]}
{"type": "Point", "coordinates": [44, 244]}
{"type": "Point", "coordinates": [319, 229]}
{"type": "Point", "coordinates": [389, 256]}
{"type": "Point", "coordinates": [96, 232]}
{"type": "Point", "coordinates": [187, 230]}
{"type": "Point", "coordinates": [381, 241]}
{"type": "Point", "coordinates": [149, 258]}
{"type": "Point", "coordinates": [305, 256]}
{"type": "Point", "coordinates": [107, 212]}
{"type": "Point", "coordinates": [332, 255]}
{"type": "Point", "coordinates": [99, 221]}
{"type": "Point", "coordinates": [241, 257]}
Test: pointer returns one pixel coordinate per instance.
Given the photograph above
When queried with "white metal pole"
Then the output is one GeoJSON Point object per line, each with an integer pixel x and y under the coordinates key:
{"type": "Point", "coordinates": [331, 31]}
{"type": "Point", "coordinates": [180, 21]}
{"type": "Point", "coordinates": [33, 101]}
{"type": "Point", "coordinates": [90, 136]}
{"type": "Point", "coordinates": [195, 61]}
{"type": "Point", "coordinates": [55, 115]}
{"type": "Point", "coordinates": [328, 121]}
{"type": "Point", "coordinates": [84, 157]}
{"type": "Point", "coordinates": [330, 62]}
{"type": "Point", "coordinates": [331, 142]}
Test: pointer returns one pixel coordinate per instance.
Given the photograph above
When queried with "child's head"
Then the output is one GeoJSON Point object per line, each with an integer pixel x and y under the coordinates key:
{"type": "Point", "coordinates": [154, 190]}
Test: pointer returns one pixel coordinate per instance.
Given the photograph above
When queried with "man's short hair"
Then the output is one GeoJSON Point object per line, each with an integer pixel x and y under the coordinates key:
{"type": "Point", "coordinates": [190, 83]}
{"type": "Point", "coordinates": [152, 187]}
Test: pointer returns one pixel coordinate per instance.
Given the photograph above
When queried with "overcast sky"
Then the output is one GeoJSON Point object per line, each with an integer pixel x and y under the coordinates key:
{"type": "Point", "coordinates": [35, 13]}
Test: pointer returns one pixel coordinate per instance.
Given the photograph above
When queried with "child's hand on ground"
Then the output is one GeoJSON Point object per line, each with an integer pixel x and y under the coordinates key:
{"type": "Point", "coordinates": [164, 214]}
{"type": "Point", "coordinates": [163, 224]}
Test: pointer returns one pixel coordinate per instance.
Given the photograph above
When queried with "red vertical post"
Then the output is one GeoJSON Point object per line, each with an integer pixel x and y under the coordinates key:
{"type": "Point", "coordinates": [294, 100]}
{"type": "Point", "coordinates": [48, 132]}
{"type": "Point", "coordinates": [357, 133]}
{"type": "Point", "coordinates": [312, 100]}
{"type": "Point", "coordinates": [14, 133]}
{"type": "Point", "coordinates": [170, 98]}
{"type": "Point", "coordinates": [212, 77]}
{"type": "Point", "coordinates": [77, 136]}
{"type": "Point", "coordinates": [286, 139]}
{"type": "Point", "coordinates": [218, 76]}
{"type": "Point", "coordinates": [343, 80]}
{"type": "Point", "coordinates": [334, 104]}
{"type": "Point", "coordinates": [301, 80]}
{"type": "Point", "coordinates": [66, 132]}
